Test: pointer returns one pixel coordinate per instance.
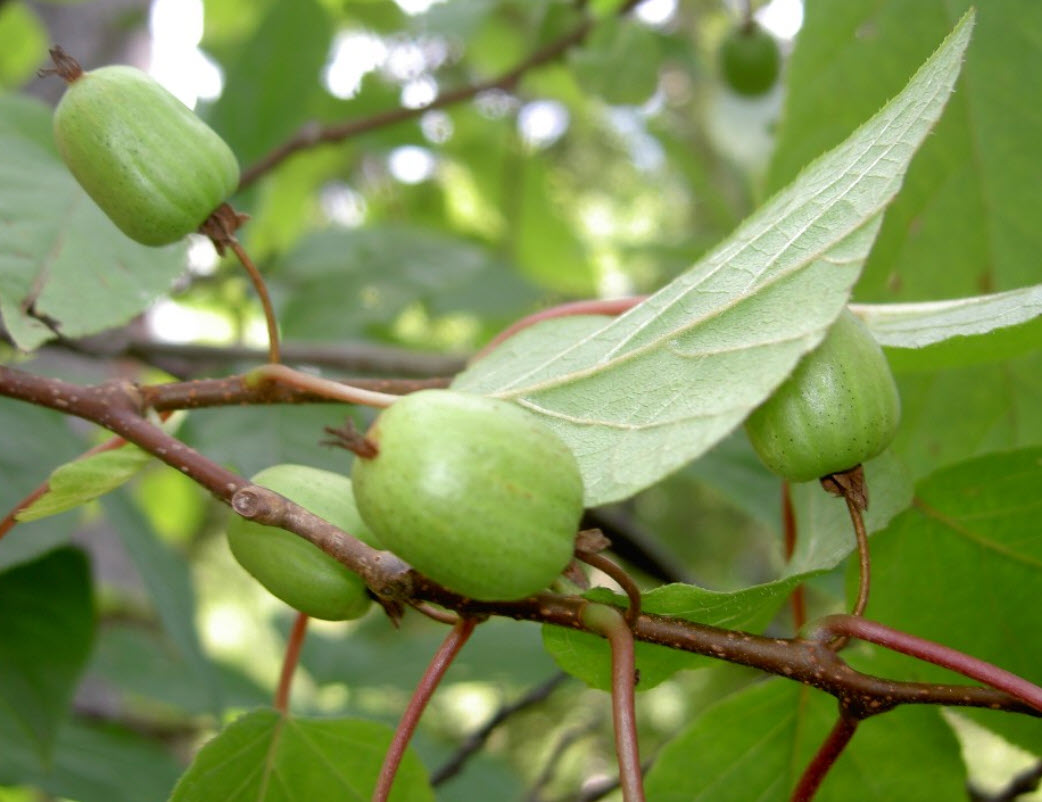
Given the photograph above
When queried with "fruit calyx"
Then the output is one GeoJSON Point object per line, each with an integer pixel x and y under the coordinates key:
{"type": "Point", "coordinates": [65, 66]}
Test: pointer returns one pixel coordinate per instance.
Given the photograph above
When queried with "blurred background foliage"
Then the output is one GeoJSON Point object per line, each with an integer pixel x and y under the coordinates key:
{"type": "Point", "coordinates": [605, 171]}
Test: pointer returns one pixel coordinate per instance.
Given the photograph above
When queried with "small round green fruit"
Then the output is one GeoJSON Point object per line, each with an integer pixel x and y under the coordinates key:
{"type": "Point", "coordinates": [473, 492]}
{"type": "Point", "coordinates": [153, 167]}
{"type": "Point", "coordinates": [839, 408]}
{"type": "Point", "coordinates": [291, 568]}
{"type": "Point", "coordinates": [750, 60]}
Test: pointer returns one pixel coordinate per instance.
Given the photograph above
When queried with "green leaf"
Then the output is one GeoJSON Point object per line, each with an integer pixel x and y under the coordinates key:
{"type": "Point", "coordinates": [268, 757]}
{"type": "Point", "coordinates": [962, 412]}
{"type": "Point", "coordinates": [83, 480]}
{"type": "Point", "coordinates": [165, 575]}
{"type": "Point", "coordinates": [143, 664]}
{"type": "Point", "coordinates": [25, 44]}
{"type": "Point", "coordinates": [46, 634]}
{"type": "Point", "coordinates": [263, 101]}
{"type": "Point", "coordinates": [660, 385]}
{"type": "Point", "coordinates": [345, 284]}
{"type": "Point", "coordinates": [962, 567]}
{"type": "Point", "coordinates": [587, 657]}
{"type": "Point", "coordinates": [92, 763]}
{"type": "Point", "coordinates": [619, 62]}
{"type": "Point", "coordinates": [966, 218]}
{"type": "Point", "coordinates": [964, 331]}
{"type": "Point", "coordinates": [34, 440]}
{"type": "Point", "coordinates": [62, 261]}
{"type": "Point", "coordinates": [756, 744]}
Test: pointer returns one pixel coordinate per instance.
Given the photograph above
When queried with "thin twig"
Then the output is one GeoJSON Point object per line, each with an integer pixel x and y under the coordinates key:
{"type": "Point", "coordinates": [477, 739]}
{"type": "Point", "coordinates": [312, 135]}
{"type": "Point", "coordinates": [624, 580]}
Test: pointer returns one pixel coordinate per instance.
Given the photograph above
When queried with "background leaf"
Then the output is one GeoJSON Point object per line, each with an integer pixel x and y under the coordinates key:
{"type": "Point", "coordinates": [45, 640]}
{"type": "Point", "coordinates": [756, 743]}
{"type": "Point", "coordinates": [49, 224]}
{"type": "Point", "coordinates": [965, 218]}
{"type": "Point", "coordinates": [679, 371]}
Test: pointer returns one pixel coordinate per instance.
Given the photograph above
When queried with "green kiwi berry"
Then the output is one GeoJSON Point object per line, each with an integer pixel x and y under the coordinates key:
{"type": "Point", "coordinates": [750, 60]}
{"type": "Point", "coordinates": [473, 492]}
{"type": "Point", "coordinates": [839, 407]}
{"type": "Point", "coordinates": [290, 567]}
{"type": "Point", "coordinates": [152, 165]}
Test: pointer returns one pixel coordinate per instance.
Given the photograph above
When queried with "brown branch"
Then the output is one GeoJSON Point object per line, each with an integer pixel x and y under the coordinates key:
{"type": "Point", "coordinates": [240, 390]}
{"type": "Point", "coordinates": [312, 135]}
{"type": "Point", "coordinates": [118, 407]}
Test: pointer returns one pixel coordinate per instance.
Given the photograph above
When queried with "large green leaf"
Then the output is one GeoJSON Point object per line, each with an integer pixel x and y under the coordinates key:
{"type": "Point", "coordinates": [268, 757]}
{"type": "Point", "coordinates": [963, 567]}
{"type": "Point", "coordinates": [92, 763]}
{"type": "Point", "coordinates": [660, 385]}
{"type": "Point", "coordinates": [164, 572]}
{"type": "Point", "coordinates": [344, 284]}
{"type": "Point", "coordinates": [63, 263]}
{"type": "Point", "coordinates": [966, 219]}
{"type": "Point", "coordinates": [756, 744]}
{"type": "Point", "coordinates": [46, 633]}
{"type": "Point", "coordinates": [25, 44]}
{"type": "Point", "coordinates": [273, 77]}
{"type": "Point", "coordinates": [937, 334]}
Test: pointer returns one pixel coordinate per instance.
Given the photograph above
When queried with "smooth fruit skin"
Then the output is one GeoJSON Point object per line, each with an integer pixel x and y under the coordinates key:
{"type": "Point", "coordinates": [750, 60]}
{"type": "Point", "coordinates": [473, 492]}
{"type": "Point", "coordinates": [291, 568]}
{"type": "Point", "coordinates": [839, 408]}
{"type": "Point", "coordinates": [153, 167]}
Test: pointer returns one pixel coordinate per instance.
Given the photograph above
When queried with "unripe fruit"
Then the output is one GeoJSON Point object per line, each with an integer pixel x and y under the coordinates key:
{"type": "Point", "coordinates": [839, 408]}
{"type": "Point", "coordinates": [153, 167]}
{"type": "Point", "coordinates": [750, 60]}
{"type": "Point", "coordinates": [473, 492]}
{"type": "Point", "coordinates": [294, 570]}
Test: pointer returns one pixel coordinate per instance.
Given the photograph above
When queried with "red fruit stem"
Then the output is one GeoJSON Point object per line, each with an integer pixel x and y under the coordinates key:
{"type": "Point", "coordinates": [606, 306]}
{"type": "Point", "coordinates": [625, 581]}
{"type": "Point", "coordinates": [864, 558]}
{"type": "Point", "coordinates": [826, 757]}
{"type": "Point", "coordinates": [609, 622]}
{"type": "Point", "coordinates": [429, 682]}
{"type": "Point", "coordinates": [262, 292]}
{"type": "Point", "coordinates": [290, 661]}
{"type": "Point", "coordinates": [944, 656]}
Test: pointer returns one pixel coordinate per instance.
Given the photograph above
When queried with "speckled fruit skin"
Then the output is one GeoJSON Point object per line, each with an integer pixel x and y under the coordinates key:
{"type": "Point", "coordinates": [839, 408]}
{"type": "Point", "coordinates": [292, 569]}
{"type": "Point", "coordinates": [750, 60]}
{"type": "Point", "coordinates": [473, 492]}
{"type": "Point", "coordinates": [153, 167]}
